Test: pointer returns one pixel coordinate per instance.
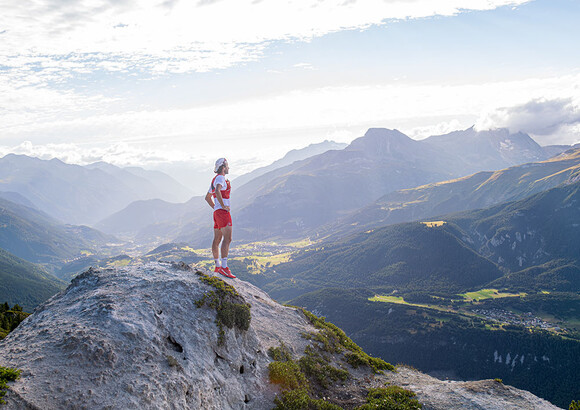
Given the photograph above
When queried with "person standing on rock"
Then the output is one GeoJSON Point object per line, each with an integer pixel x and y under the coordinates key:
{"type": "Point", "coordinates": [218, 197]}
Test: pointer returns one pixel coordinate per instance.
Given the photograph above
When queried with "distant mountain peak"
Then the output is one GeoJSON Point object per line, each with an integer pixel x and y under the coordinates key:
{"type": "Point", "coordinates": [384, 132]}
{"type": "Point", "coordinates": [291, 157]}
{"type": "Point", "coordinates": [382, 142]}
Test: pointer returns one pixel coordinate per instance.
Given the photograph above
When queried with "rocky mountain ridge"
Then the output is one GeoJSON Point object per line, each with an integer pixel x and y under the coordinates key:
{"type": "Point", "coordinates": [290, 157]}
{"type": "Point", "coordinates": [142, 337]}
{"type": "Point", "coordinates": [306, 194]}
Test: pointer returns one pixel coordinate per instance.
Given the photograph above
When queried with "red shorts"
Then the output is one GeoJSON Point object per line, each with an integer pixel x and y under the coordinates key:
{"type": "Point", "coordinates": [221, 219]}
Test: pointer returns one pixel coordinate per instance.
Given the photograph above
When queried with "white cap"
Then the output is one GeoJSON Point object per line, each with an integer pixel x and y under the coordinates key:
{"type": "Point", "coordinates": [219, 163]}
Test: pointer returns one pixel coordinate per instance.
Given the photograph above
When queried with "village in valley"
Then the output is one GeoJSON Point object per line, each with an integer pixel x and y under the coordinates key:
{"type": "Point", "coordinates": [526, 319]}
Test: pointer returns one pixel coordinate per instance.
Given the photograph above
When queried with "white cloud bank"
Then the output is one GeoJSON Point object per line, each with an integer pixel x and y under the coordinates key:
{"type": "Point", "coordinates": [540, 117]}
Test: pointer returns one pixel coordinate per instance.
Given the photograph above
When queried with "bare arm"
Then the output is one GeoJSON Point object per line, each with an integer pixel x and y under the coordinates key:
{"type": "Point", "coordinates": [209, 199]}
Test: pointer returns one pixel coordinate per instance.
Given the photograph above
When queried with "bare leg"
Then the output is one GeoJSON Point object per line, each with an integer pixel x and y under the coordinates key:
{"type": "Point", "coordinates": [227, 234]}
{"type": "Point", "coordinates": [215, 246]}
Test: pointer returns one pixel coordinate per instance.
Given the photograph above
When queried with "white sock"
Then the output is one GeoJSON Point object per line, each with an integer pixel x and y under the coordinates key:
{"type": "Point", "coordinates": [217, 263]}
{"type": "Point", "coordinates": [224, 262]}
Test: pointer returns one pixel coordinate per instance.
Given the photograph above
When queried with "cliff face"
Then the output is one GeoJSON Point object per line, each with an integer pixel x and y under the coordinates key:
{"type": "Point", "coordinates": [134, 338]}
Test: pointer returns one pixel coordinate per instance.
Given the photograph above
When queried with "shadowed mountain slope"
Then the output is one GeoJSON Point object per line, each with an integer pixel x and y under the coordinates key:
{"type": "Point", "coordinates": [301, 197]}
{"type": "Point", "coordinates": [463, 251]}
{"type": "Point", "coordinates": [530, 232]}
{"type": "Point", "coordinates": [409, 256]}
{"type": "Point", "coordinates": [472, 192]}
{"type": "Point", "coordinates": [25, 283]}
{"type": "Point", "coordinates": [32, 235]}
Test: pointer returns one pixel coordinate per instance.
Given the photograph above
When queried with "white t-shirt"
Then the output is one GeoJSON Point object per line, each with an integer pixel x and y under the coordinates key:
{"type": "Point", "coordinates": [219, 180]}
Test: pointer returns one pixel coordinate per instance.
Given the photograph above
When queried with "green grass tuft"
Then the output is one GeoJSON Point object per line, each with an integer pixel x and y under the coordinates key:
{"type": "Point", "coordinates": [280, 354]}
{"type": "Point", "coordinates": [299, 400]}
{"type": "Point", "coordinates": [316, 366]}
{"type": "Point", "coordinates": [7, 374]}
{"type": "Point", "coordinates": [232, 310]}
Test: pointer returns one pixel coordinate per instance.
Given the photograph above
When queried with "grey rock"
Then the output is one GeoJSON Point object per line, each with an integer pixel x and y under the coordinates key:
{"type": "Point", "coordinates": [133, 338]}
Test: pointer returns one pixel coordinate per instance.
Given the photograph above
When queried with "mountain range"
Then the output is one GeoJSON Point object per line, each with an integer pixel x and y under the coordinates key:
{"type": "Point", "coordinates": [309, 193]}
{"type": "Point", "coordinates": [479, 190]}
{"type": "Point", "coordinates": [82, 195]}
{"type": "Point", "coordinates": [291, 157]}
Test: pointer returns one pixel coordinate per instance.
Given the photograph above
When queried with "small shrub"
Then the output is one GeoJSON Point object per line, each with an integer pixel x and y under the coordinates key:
{"type": "Point", "coordinates": [293, 400]}
{"type": "Point", "coordinates": [324, 405]}
{"type": "Point", "coordinates": [575, 405]}
{"type": "Point", "coordinates": [497, 380]}
{"type": "Point", "coordinates": [316, 366]}
{"type": "Point", "coordinates": [355, 359]}
{"type": "Point", "coordinates": [391, 398]}
{"type": "Point", "coordinates": [280, 354]}
{"type": "Point", "coordinates": [334, 340]}
{"type": "Point", "coordinates": [234, 314]}
{"type": "Point", "coordinates": [378, 364]}
{"type": "Point", "coordinates": [360, 358]}
{"type": "Point", "coordinates": [329, 341]}
{"type": "Point", "coordinates": [300, 400]}
{"type": "Point", "coordinates": [288, 375]}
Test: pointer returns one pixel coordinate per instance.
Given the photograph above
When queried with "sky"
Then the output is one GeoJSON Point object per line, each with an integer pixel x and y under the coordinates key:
{"type": "Point", "coordinates": [175, 84]}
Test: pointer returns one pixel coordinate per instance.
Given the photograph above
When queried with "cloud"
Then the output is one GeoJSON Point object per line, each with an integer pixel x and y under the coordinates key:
{"type": "Point", "coordinates": [539, 116]}
{"type": "Point", "coordinates": [184, 36]}
{"type": "Point", "coordinates": [440, 128]}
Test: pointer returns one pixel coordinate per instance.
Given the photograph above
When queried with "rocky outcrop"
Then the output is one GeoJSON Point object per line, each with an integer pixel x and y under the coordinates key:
{"type": "Point", "coordinates": [135, 338]}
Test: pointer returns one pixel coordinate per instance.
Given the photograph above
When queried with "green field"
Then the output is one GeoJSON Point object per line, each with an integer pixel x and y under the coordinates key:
{"type": "Point", "coordinates": [467, 298]}
{"type": "Point", "coordinates": [488, 294]}
{"type": "Point", "coordinates": [401, 301]}
{"type": "Point", "coordinates": [258, 264]}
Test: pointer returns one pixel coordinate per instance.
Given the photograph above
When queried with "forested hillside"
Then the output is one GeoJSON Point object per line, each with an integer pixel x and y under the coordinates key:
{"type": "Point", "coordinates": [24, 283]}
{"type": "Point", "coordinates": [32, 235]}
{"type": "Point", "coordinates": [406, 257]}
